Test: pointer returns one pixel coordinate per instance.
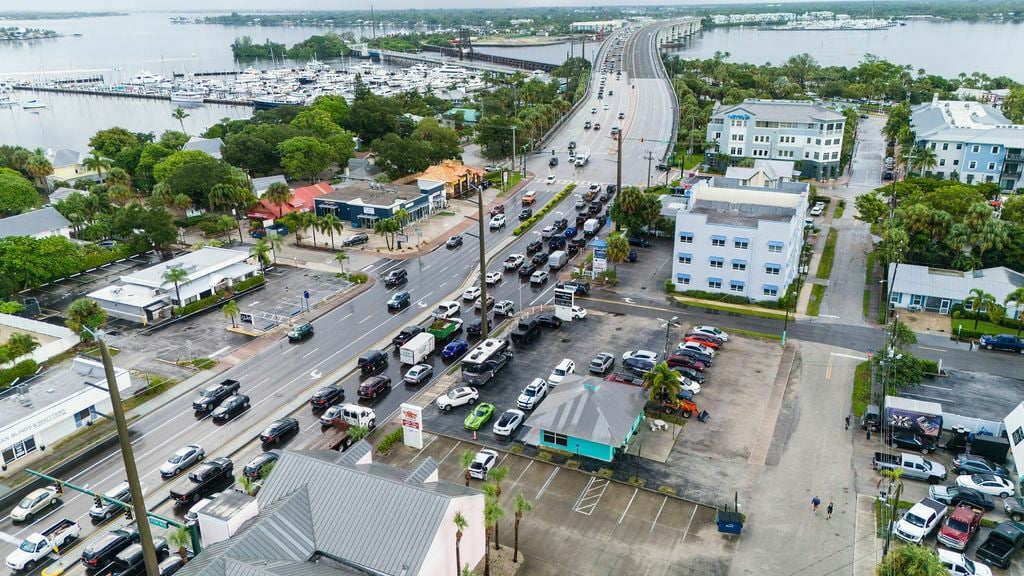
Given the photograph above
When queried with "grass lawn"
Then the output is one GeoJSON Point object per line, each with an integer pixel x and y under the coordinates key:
{"type": "Point", "coordinates": [984, 326]}
{"type": "Point", "coordinates": [861, 388]}
{"type": "Point", "coordinates": [840, 208]}
{"type": "Point", "coordinates": [828, 254]}
{"type": "Point", "coordinates": [744, 310]}
{"type": "Point", "coordinates": [817, 295]}
{"type": "Point", "coordinates": [869, 269]}
{"type": "Point", "coordinates": [866, 303]}
{"type": "Point", "coordinates": [753, 334]}
{"type": "Point", "coordinates": [513, 178]}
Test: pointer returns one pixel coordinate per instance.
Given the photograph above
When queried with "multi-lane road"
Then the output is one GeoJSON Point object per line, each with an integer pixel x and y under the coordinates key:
{"type": "Point", "coordinates": [280, 378]}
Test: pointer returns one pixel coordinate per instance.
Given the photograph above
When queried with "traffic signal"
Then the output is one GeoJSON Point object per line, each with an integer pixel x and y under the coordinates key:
{"type": "Point", "coordinates": [97, 501]}
{"type": "Point", "coordinates": [59, 487]}
{"type": "Point", "coordinates": [128, 513]}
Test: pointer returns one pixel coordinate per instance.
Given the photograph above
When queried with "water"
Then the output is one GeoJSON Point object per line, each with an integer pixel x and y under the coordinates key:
{"type": "Point", "coordinates": [943, 48]}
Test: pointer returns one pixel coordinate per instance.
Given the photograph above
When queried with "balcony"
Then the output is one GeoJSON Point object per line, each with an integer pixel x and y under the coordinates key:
{"type": "Point", "coordinates": [1017, 156]}
{"type": "Point", "coordinates": [1012, 169]}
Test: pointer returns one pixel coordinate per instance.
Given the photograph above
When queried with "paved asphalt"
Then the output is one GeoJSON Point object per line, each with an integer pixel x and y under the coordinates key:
{"type": "Point", "coordinates": [282, 375]}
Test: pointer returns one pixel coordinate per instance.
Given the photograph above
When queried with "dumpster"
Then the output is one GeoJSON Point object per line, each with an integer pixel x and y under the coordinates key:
{"type": "Point", "coordinates": [729, 522]}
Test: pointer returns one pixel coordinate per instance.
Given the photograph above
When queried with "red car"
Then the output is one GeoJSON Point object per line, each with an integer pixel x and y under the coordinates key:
{"type": "Point", "coordinates": [712, 343]}
{"type": "Point", "coordinates": [677, 360]}
{"type": "Point", "coordinates": [959, 527]}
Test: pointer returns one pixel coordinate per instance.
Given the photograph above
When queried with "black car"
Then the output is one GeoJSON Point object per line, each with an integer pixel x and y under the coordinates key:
{"type": "Point", "coordinates": [454, 241]}
{"type": "Point", "coordinates": [691, 374]}
{"type": "Point", "coordinates": [1014, 508]}
{"type": "Point", "coordinates": [572, 144]}
{"type": "Point", "coordinates": [582, 288]}
{"type": "Point", "coordinates": [527, 269]}
{"type": "Point", "coordinates": [610, 188]}
{"type": "Point", "coordinates": [955, 495]}
{"type": "Point", "coordinates": [910, 441]}
{"type": "Point", "coordinates": [278, 429]}
{"type": "Point", "coordinates": [695, 355]}
{"type": "Point", "coordinates": [372, 361]}
{"type": "Point", "coordinates": [561, 224]}
{"type": "Point", "coordinates": [129, 562]}
{"type": "Point", "coordinates": [525, 214]}
{"type": "Point", "coordinates": [405, 335]}
{"type": "Point", "coordinates": [396, 278]}
{"type": "Point", "coordinates": [578, 242]}
{"type": "Point", "coordinates": [553, 161]}
{"type": "Point", "coordinates": [595, 208]}
{"type": "Point", "coordinates": [254, 469]}
{"type": "Point", "coordinates": [399, 301]}
{"type": "Point", "coordinates": [534, 247]}
{"type": "Point", "coordinates": [474, 328]}
{"type": "Point", "coordinates": [355, 240]}
{"type": "Point", "coordinates": [211, 396]}
{"type": "Point", "coordinates": [374, 386]}
{"type": "Point", "coordinates": [327, 396]}
{"type": "Point", "coordinates": [231, 407]}
{"type": "Point", "coordinates": [540, 258]}
{"type": "Point", "coordinates": [549, 320]}
{"type": "Point", "coordinates": [639, 241]}
{"type": "Point", "coordinates": [99, 554]}
{"type": "Point", "coordinates": [556, 243]}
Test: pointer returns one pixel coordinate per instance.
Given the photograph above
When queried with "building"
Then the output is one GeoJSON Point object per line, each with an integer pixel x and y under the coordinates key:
{"type": "Point", "coordinates": [324, 513]}
{"type": "Point", "coordinates": [458, 179]}
{"type": "Point", "coordinates": [67, 166]}
{"type": "Point", "coordinates": [807, 133]}
{"type": "Point", "coordinates": [938, 290]}
{"type": "Point", "coordinates": [63, 193]}
{"type": "Point", "coordinates": [994, 97]}
{"type": "Point", "coordinates": [736, 239]}
{"type": "Point", "coordinates": [145, 297]}
{"type": "Point", "coordinates": [364, 203]}
{"type": "Point", "coordinates": [589, 417]}
{"type": "Point", "coordinates": [597, 25]}
{"type": "Point", "coordinates": [41, 223]}
{"type": "Point", "coordinates": [260, 185]}
{"type": "Point", "coordinates": [301, 201]}
{"type": "Point", "coordinates": [973, 142]}
{"type": "Point", "coordinates": [469, 116]}
{"type": "Point", "coordinates": [209, 145]}
{"type": "Point", "coordinates": [764, 173]}
{"type": "Point", "coordinates": [43, 410]}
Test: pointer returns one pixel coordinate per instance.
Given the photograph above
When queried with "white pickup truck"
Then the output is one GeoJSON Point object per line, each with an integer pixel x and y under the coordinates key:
{"type": "Point", "coordinates": [920, 520]}
{"type": "Point", "coordinates": [39, 545]}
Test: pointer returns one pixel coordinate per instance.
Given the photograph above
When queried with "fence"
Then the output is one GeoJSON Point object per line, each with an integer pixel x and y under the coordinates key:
{"type": "Point", "coordinates": [975, 425]}
{"type": "Point", "coordinates": [65, 339]}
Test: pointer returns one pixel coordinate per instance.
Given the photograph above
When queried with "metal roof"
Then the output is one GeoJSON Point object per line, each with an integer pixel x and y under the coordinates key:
{"type": "Point", "coordinates": [953, 284]}
{"type": "Point", "coordinates": [42, 221]}
{"type": "Point", "coordinates": [590, 409]}
{"type": "Point", "coordinates": [261, 184]}
{"type": "Point", "coordinates": [781, 111]}
{"type": "Point", "coordinates": [209, 145]}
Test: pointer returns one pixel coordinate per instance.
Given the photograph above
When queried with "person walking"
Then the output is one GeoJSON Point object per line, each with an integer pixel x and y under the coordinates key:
{"type": "Point", "coordinates": [815, 502]}
{"type": "Point", "coordinates": [828, 511]}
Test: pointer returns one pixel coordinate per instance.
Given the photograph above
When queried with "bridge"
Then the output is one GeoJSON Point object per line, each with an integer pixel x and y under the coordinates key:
{"type": "Point", "coordinates": [465, 53]}
{"type": "Point", "coordinates": [678, 33]}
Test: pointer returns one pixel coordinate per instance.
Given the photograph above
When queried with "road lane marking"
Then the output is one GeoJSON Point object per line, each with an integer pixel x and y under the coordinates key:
{"type": "Point", "coordinates": [306, 355]}
{"type": "Point", "coordinates": [547, 483]}
{"type": "Point", "coordinates": [316, 423]}
{"type": "Point", "coordinates": [935, 349]}
{"type": "Point", "coordinates": [365, 319]}
{"type": "Point", "coordinates": [345, 316]}
{"type": "Point", "coordinates": [850, 356]}
{"type": "Point", "coordinates": [828, 370]}
{"type": "Point", "coordinates": [368, 268]}
{"type": "Point", "coordinates": [658, 515]}
{"type": "Point", "coordinates": [591, 495]}
{"type": "Point", "coordinates": [219, 352]}
{"type": "Point", "coordinates": [635, 490]}
{"type": "Point", "coordinates": [290, 349]}
{"type": "Point", "coordinates": [936, 387]}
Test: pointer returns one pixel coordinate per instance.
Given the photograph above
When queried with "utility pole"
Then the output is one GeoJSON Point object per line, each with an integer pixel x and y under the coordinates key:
{"type": "Point", "coordinates": [650, 158]}
{"type": "Point", "coordinates": [483, 262]}
{"type": "Point", "coordinates": [513, 147]}
{"type": "Point", "coordinates": [618, 163]}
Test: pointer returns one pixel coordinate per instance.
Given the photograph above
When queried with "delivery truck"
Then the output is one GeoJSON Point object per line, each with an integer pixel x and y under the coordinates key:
{"type": "Point", "coordinates": [557, 260]}
{"type": "Point", "coordinates": [416, 350]}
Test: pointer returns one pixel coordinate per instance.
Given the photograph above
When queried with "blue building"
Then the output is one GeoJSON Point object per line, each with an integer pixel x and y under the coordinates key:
{"type": "Point", "coordinates": [362, 204]}
{"type": "Point", "coordinates": [589, 417]}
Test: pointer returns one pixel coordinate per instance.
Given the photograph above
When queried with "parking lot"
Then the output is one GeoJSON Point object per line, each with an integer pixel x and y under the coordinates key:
{"type": "Point", "coordinates": [971, 394]}
{"type": "Point", "coordinates": [582, 524]}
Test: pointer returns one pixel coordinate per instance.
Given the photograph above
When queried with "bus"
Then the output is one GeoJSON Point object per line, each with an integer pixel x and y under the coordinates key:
{"type": "Point", "coordinates": [482, 362]}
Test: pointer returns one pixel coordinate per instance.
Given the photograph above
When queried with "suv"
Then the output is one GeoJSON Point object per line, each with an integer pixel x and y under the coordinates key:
{"type": "Point", "coordinates": [910, 441]}
{"type": "Point", "coordinates": [602, 363]}
{"type": "Point", "coordinates": [355, 240]}
{"type": "Point", "coordinates": [396, 278]}
{"type": "Point", "coordinates": [581, 288]}
{"type": "Point", "coordinates": [212, 396]}
{"type": "Point", "coordinates": [99, 554]}
{"type": "Point", "coordinates": [526, 331]}
{"type": "Point", "coordinates": [529, 198]}
{"type": "Point", "coordinates": [497, 222]}
{"type": "Point", "coordinates": [104, 509]}
{"type": "Point", "coordinates": [254, 469]}
{"type": "Point", "coordinates": [300, 332]}
{"type": "Point", "coordinates": [534, 247]}
{"type": "Point", "coordinates": [129, 562]}
{"type": "Point", "coordinates": [372, 361]}
{"type": "Point", "coordinates": [374, 386]}
{"type": "Point", "coordinates": [399, 300]}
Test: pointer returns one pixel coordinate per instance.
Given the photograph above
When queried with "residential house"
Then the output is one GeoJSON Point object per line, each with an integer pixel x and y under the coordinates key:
{"type": "Point", "coordinates": [209, 145]}
{"type": "Point", "coordinates": [67, 166]}
{"type": "Point", "coordinates": [41, 223]}
{"type": "Point", "coordinates": [458, 179]}
{"type": "Point", "coordinates": [62, 193]}
{"type": "Point", "coordinates": [938, 290]}
{"type": "Point", "coordinates": [764, 173]}
{"type": "Point", "coordinates": [260, 185]}
{"type": "Point", "coordinates": [301, 201]}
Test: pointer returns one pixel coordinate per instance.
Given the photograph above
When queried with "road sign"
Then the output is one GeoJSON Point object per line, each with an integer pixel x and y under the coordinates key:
{"type": "Point", "coordinates": [246, 317]}
{"type": "Point", "coordinates": [158, 522]}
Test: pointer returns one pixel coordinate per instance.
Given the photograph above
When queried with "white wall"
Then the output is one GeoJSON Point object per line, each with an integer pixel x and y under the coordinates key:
{"type": "Point", "coordinates": [440, 559]}
{"type": "Point", "coordinates": [1014, 423]}
{"type": "Point", "coordinates": [65, 338]}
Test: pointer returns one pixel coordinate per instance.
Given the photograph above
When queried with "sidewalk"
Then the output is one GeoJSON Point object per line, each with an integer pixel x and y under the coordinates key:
{"type": "Point", "coordinates": [867, 548]}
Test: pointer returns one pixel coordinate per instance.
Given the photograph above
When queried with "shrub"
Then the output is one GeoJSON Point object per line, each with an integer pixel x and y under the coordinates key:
{"type": "Point", "coordinates": [636, 481]}
{"type": "Point", "coordinates": [23, 369]}
{"type": "Point", "coordinates": [605, 473]}
{"type": "Point", "coordinates": [198, 305]}
{"type": "Point", "coordinates": [387, 443]}
{"type": "Point", "coordinates": [929, 366]}
{"type": "Point", "coordinates": [667, 490]}
{"type": "Point", "coordinates": [358, 277]}
{"type": "Point", "coordinates": [248, 283]}
{"type": "Point", "coordinates": [544, 456]}
{"type": "Point", "coordinates": [670, 286]}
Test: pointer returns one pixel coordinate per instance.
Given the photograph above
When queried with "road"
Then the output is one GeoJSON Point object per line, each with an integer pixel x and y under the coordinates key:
{"type": "Point", "coordinates": [282, 376]}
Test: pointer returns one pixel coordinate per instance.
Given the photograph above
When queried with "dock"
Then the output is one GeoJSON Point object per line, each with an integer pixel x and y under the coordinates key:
{"type": "Point", "coordinates": [118, 93]}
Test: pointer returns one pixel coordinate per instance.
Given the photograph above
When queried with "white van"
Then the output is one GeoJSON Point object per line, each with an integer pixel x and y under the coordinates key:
{"type": "Point", "coordinates": [590, 227]}
{"type": "Point", "coordinates": [357, 415]}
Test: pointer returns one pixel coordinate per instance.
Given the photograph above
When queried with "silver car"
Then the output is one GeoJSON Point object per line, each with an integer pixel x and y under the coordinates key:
{"type": "Point", "coordinates": [182, 459]}
{"type": "Point", "coordinates": [418, 374]}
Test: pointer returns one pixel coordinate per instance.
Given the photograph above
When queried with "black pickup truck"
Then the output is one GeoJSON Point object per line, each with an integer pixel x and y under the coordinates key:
{"type": "Point", "coordinates": [209, 477]}
{"type": "Point", "coordinates": [211, 396]}
{"type": "Point", "coordinates": [1001, 545]}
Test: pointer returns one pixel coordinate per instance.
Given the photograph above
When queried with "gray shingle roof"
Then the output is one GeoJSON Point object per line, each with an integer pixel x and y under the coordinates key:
{"type": "Point", "coordinates": [66, 157]}
{"type": "Point", "coordinates": [261, 184]}
{"type": "Point", "coordinates": [781, 111]}
{"type": "Point", "coordinates": [953, 284]}
{"type": "Point", "coordinates": [591, 409]}
{"type": "Point", "coordinates": [42, 221]}
{"type": "Point", "coordinates": [62, 193]}
{"type": "Point", "coordinates": [209, 145]}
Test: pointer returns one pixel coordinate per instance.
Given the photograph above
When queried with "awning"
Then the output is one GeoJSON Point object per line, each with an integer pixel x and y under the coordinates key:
{"type": "Point", "coordinates": [741, 262]}
{"type": "Point", "coordinates": [680, 277]}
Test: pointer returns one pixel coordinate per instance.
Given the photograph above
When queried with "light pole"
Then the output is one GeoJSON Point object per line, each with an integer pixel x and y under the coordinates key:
{"type": "Point", "coordinates": [650, 158]}
{"type": "Point", "coordinates": [483, 262]}
{"type": "Point", "coordinates": [669, 324]}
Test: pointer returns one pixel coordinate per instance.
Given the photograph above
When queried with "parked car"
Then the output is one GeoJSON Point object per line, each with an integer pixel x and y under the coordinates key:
{"type": "Point", "coordinates": [457, 397]}
{"type": "Point", "coordinates": [973, 464]}
{"type": "Point", "coordinates": [399, 301]}
{"type": "Point", "coordinates": [256, 467]}
{"type": "Point", "coordinates": [508, 422]}
{"type": "Point", "coordinates": [300, 332]}
{"type": "Point", "coordinates": [181, 459]}
{"type": "Point", "coordinates": [396, 278]}
{"type": "Point", "coordinates": [533, 393]}
{"type": "Point", "coordinates": [639, 242]}
{"type": "Point", "coordinates": [960, 526]}
{"type": "Point", "coordinates": [482, 463]}
{"type": "Point", "coordinates": [699, 356]}
{"type": "Point", "coordinates": [709, 341]}
{"type": "Point", "coordinates": [987, 484]}
{"type": "Point", "coordinates": [919, 522]}
{"type": "Point", "coordinates": [355, 240]}
{"type": "Point", "coordinates": [690, 373]}
{"type": "Point", "coordinates": [454, 349]}
{"type": "Point", "coordinates": [711, 331]}
{"type": "Point", "coordinates": [957, 563]}
{"type": "Point", "coordinates": [479, 416]}
{"type": "Point", "coordinates": [681, 361]}
{"type": "Point", "coordinates": [1014, 508]}
{"type": "Point", "coordinates": [230, 408]}
{"type": "Point", "coordinates": [453, 242]}
{"type": "Point", "coordinates": [1001, 544]}
{"type": "Point", "coordinates": [640, 354]}
{"type": "Point", "coordinates": [563, 369]}
{"type": "Point", "coordinates": [373, 387]}
{"type": "Point", "coordinates": [1006, 342]}
{"type": "Point", "coordinates": [278, 429]}
{"type": "Point", "coordinates": [35, 502]}
{"type": "Point", "coordinates": [696, 347]}
{"type": "Point", "coordinates": [910, 441]}
{"type": "Point", "coordinates": [955, 495]}
{"type": "Point", "coordinates": [602, 363]}
{"type": "Point", "coordinates": [578, 312]}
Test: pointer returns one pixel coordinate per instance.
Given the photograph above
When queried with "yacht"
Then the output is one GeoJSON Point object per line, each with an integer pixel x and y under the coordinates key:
{"type": "Point", "coordinates": [144, 78]}
{"type": "Point", "coordinates": [32, 105]}
{"type": "Point", "coordinates": [187, 97]}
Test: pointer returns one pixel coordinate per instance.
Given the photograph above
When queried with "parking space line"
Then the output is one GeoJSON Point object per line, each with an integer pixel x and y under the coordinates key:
{"type": "Point", "coordinates": [658, 515]}
{"type": "Point", "coordinates": [635, 490]}
{"type": "Point", "coordinates": [219, 352]}
{"type": "Point", "coordinates": [523, 473]}
{"type": "Point", "coordinates": [591, 496]}
{"type": "Point", "coordinates": [547, 483]}
{"type": "Point", "coordinates": [417, 455]}
{"type": "Point", "coordinates": [457, 444]}
{"type": "Point", "coordinates": [310, 352]}
{"type": "Point", "coordinates": [315, 424]}
{"type": "Point", "coordinates": [694, 513]}
{"type": "Point", "coordinates": [503, 458]}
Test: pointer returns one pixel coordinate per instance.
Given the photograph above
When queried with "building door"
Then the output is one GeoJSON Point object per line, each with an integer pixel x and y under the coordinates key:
{"type": "Point", "coordinates": [944, 306]}
{"type": "Point", "coordinates": [18, 449]}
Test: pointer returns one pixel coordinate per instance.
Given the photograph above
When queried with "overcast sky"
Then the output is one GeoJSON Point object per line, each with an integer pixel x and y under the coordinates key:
{"type": "Point", "coordinates": [292, 5]}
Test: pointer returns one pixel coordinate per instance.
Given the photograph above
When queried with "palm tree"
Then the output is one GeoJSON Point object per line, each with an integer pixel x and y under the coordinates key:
{"type": "Point", "coordinates": [330, 223]}
{"type": "Point", "coordinates": [341, 256]}
{"type": "Point", "coordinates": [921, 158]}
{"type": "Point", "coordinates": [522, 505]}
{"type": "Point", "coordinates": [496, 476]}
{"type": "Point", "coordinates": [492, 513]}
{"type": "Point", "coordinates": [311, 221]}
{"type": "Point", "coordinates": [230, 310]}
{"type": "Point", "coordinates": [465, 460]}
{"type": "Point", "coordinates": [387, 228]}
{"type": "Point", "coordinates": [662, 383]}
{"type": "Point", "coordinates": [401, 216]}
{"type": "Point", "coordinates": [39, 167]}
{"type": "Point", "coordinates": [248, 485]}
{"type": "Point", "coordinates": [220, 195]}
{"type": "Point", "coordinates": [179, 114]}
{"type": "Point", "coordinates": [979, 299]}
{"type": "Point", "coordinates": [460, 527]}
{"type": "Point", "coordinates": [276, 243]}
{"type": "Point", "coordinates": [357, 433]}
{"type": "Point", "coordinates": [1017, 299]}
{"type": "Point", "coordinates": [278, 194]}
{"type": "Point", "coordinates": [617, 250]}
{"type": "Point", "coordinates": [97, 163]}
{"type": "Point", "coordinates": [20, 344]}
{"type": "Point", "coordinates": [120, 194]}
{"type": "Point", "coordinates": [117, 175]}
{"type": "Point", "coordinates": [260, 251]}
{"type": "Point", "coordinates": [181, 539]}
{"type": "Point", "coordinates": [177, 276]}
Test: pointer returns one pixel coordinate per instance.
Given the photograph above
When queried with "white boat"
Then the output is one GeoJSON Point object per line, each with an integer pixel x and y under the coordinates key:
{"type": "Point", "coordinates": [32, 105]}
{"type": "Point", "coordinates": [187, 97]}
{"type": "Point", "coordinates": [144, 78]}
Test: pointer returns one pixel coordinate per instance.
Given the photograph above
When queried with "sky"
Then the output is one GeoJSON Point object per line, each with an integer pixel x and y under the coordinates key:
{"type": "Point", "coordinates": [293, 5]}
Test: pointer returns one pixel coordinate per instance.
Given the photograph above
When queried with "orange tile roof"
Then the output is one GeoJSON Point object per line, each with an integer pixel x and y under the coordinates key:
{"type": "Point", "coordinates": [302, 200]}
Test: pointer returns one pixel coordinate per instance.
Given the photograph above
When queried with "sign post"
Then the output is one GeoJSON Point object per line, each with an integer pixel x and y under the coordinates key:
{"type": "Point", "coordinates": [412, 425]}
{"type": "Point", "coordinates": [600, 263]}
{"type": "Point", "coordinates": [564, 302]}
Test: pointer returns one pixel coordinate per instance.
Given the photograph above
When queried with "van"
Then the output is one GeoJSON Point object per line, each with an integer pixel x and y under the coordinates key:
{"type": "Point", "coordinates": [372, 361]}
{"type": "Point", "coordinates": [357, 415]}
{"type": "Point", "coordinates": [557, 260]}
{"type": "Point", "coordinates": [590, 227]}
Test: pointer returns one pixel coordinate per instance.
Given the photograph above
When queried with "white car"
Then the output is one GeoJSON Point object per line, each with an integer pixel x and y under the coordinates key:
{"type": "Point", "coordinates": [987, 484]}
{"type": "Point", "coordinates": [539, 277]}
{"type": "Point", "coordinates": [497, 222]}
{"type": "Point", "coordinates": [482, 463]}
{"type": "Point", "coordinates": [696, 347]}
{"type": "Point", "coordinates": [564, 368]}
{"type": "Point", "coordinates": [447, 310]}
{"type": "Point", "coordinates": [533, 394]}
{"type": "Point", "coordinates": [605, 107]}
{"type": "Point", "coordinates": [418, 374]}
{"type": "Point", "coordinates": [641, 355]}
{"type": "Point", "coordinates": [547, 232]}
{"type": "Point", "coordinates": [471, 293]}
{"type": "Point", "coordinates": [710, 331]}
{"type": "Point", "coordinates": [36, 501]}
{"type": "Point", "coordinates": [492, 278]}
{"type": "Point", "coordinates": [578, 313]}
{"type": "Point", "coordinates": [181, 459]}
{"type": "Point", "coordinates": [817, 210]}
{"type": "Point", "coordinates": [688, 385]}
{"type": "Point", "coordinates": [960, 565]}
{"type": "Point", "coordinates": [550, 179]}
{"type": "Point", "coordinates": [457, 397]}
{"type": "Point", "coordinates": [508, 422]}
{"type": "Point", "coordinates": [514, 261]}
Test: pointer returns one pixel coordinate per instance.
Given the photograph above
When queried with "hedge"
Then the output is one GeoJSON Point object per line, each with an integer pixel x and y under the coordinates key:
{"type": "Point", "coordinates": [543, 211]}
{"type": "Point", "coordinates": [213, 299]}
{"type": "Point", "coordinates": [22, 369]}
{"type": "Point", "coordinates": [389, 440]}
{"type": "Point", "coordinates": [248, 283]}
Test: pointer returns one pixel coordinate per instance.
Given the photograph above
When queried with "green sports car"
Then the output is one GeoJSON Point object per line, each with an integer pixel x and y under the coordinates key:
{"type": "Point", "coordinates": [479, 416]}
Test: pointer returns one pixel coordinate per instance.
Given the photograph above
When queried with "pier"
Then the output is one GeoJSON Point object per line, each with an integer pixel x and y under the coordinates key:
{"type": "Point", "coordinates": [119, 93]}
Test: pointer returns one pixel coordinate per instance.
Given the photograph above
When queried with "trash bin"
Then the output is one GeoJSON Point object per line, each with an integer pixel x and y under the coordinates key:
{"type": "Point", "coordinates": [703, 416]}
{"type": "Point", "coordinates": [729, 522]}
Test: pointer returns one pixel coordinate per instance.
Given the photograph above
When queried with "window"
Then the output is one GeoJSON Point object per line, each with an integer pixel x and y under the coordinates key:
{"type": "Point", "coordinates": [975, 149]}
{"type": "Point", "coordinates": [771, 290]}
{"type": "Point", "coordinates": [760, 139]}
{"type": "Point", "coordinates": [683, 278]}
{"type": "Point", "coordinates": [85, 416]}
{"type": "Point", "coordinates": [835, 155]}
{"type": "Point", "coordinates": [775, 247]}
{"type": "Point", "coordinates": [933, 145]}
{"type": "Point", "coordinates": [736, 137]}
{"type": "Point", "coordinates": [991, 165]}
{"type": "Point", "coordinates": [972, 165]}
{"type": "Point", "coordinates": [772, 269]}
{"type": "Point", "coordinates": [736, 286]}
{"type": "Point", "coordinates": [942, 161]}
{"type": "Point", "coordinates": [686, 237]}
{"type": "Point", "coordinates": [715, 283]}
{"type": "Point", "coordinates": [718, 135]}
{"type": "Point", "coordinates": [959, 146]}
{"type": "Point", "coordinates": [18, 450]}
{"type": "Point", "coordinates": [739, 264]}
{"type": "Point", "coordinates": [995, 149]}
{"type": "Point", "coordinates": [807, 154]}
{"type": "Point", "coordinates": [716, 262]}
{"type": "Point", "coordinates": [685, 258]}
{"type": "Point", "coordinates": [945, 145]}
{"type": "Point", "coordinates": [817, 141]}
{"type": "Point", "coordinates": [808, 140]}
{"type": "Point", "coordinates": [553, 438]}
{"type": "Point", "coordinates": [742, 243]}
{"type": "Point", "coordinates": [956, 162]}
{"type": "Point", "coordinates": [815, 155]}
{"type": "Point", "coordinates": [830, 127]}
{"type": "Point", "coordinates": [718, 241]}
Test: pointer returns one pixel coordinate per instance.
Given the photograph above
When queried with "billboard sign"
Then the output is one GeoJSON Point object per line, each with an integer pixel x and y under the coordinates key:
{"type": "Point", "coordinates": [412, 425]}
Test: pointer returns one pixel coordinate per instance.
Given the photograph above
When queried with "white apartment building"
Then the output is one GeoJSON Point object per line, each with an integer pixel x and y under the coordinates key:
{"type": "Point", "coordinates": [736, 239]}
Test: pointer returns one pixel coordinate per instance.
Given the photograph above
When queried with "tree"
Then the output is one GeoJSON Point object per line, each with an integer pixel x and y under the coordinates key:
{"type": "Point", "coordinates": [85, 313]}
{"type": "Point", "coordinates": [335, 106]}
{"type": "Point", "coordinates": [221, 195]}
{"type": "Point", "coordinates": [522, 506]}
{"type": "Point", "coordinates": [634, 209]}
{"type": "Point", "coordinates": [617, 250]}
{"type": "Point", "coordinates": [401, 216]}
{"type": "Point", "coordinates": [20, 344]}
{"type": "Point", "coordinates": [179, 114]}
{"type": "Point", "coordinates": [496, 475]}
{"type": "Point", "coordinates": [176, 275]}
{"type": "Point", "coordinates": [303, 157]}
{"type": "Point", "coordinates": [460, 527]}
{"type": "Point", "coordinates": [112, 140]}
{"type": "Point", "coordinates": [921, 158]}
{"type": "Point", "coordinates": [1013, 209]}
{"type": "Point", "coordinates": [979, 300]}
{"type": "Point", "coordinates": [902, 335]}
{"type": "Point", "coordinates": [387, 227]}
{"type": "Point", "coordinates": [120, 194]}
{"type": "Point", "coordinates": [230, 310]}
{"type": "Point", "coordinates": [330, 223]}
{"type": "Point", "coordinates": [181, 539]}
{"type": "Point", "coordinates": [492, 514]}
{"type": "Point", "coordinates": [911, 560]}
{"type": "Point", "coordinates": [1017, 299]}
{"type": "Point", "coordinates": [465, 460]}
{"type": "Point", "coordinates": [903, 368]}
{"type": "Point", "coordinates": [278, 194]}
{"type": "Point", "coordinates": [195, 173]}
{"type": "Point", "coordinates": [399, 156]}
{"type": "Point", "coordinates": [662, 383]}
{"type": "Point", "coordinates": [800, 67]}
{"type": "Point", "coordinates": [172, 140]}
{"type": "Point", "coordinates": [261, 251]}
{"type": "Point", "coordinates": [1013, 105]}
{"type": "Point", "coordinates": [96, 163]}
{"type": "Point", "coordinates": [16, 193]}
{"type": "Point", "coordinates": [341, 256]}
{"type": "Point", "coordinates": [39, 167]}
